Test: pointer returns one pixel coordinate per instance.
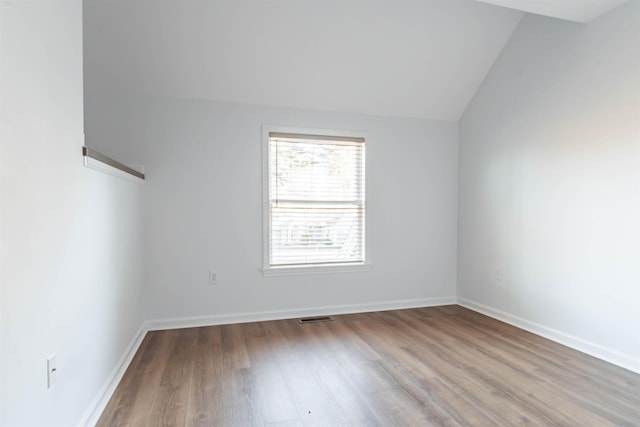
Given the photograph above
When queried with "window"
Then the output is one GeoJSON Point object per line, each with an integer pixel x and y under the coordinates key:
{"type": "Point", "coordinates": [314, 213]}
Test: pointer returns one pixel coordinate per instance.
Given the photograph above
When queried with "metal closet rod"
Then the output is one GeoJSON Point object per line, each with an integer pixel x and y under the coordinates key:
{"type": "Point", "coordinates": [90, 152]}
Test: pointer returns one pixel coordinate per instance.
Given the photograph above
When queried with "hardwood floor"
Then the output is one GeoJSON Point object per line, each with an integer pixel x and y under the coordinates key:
{"type": "Point", "coordinates": [445, 366]}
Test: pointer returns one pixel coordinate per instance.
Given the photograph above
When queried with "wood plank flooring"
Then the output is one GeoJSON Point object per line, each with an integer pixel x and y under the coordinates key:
{"type": "Point", "coordinates": [438, 366]}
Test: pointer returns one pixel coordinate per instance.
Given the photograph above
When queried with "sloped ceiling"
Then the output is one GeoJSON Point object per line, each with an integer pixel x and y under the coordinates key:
{"type": "Point", "coordinates": [571, 10]}
{"type": "Point", "coordinates": [409, 58]}
{"type": "Point", "coordinates": [422, 59]}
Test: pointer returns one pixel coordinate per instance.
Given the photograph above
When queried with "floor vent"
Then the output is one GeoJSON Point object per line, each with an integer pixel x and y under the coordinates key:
{"type": "Point", "coordinates": [315, 319]}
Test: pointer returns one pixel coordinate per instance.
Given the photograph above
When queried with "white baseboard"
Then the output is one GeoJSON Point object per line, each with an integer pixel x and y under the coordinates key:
{"type": "Point", "coordinates": [106, 391]}
{"type": "Point", "coordinates": [604, 353]}
{"type": "Point", "coordinates": [223, 319]}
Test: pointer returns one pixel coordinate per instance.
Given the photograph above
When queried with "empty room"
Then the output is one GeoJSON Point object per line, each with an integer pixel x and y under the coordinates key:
{"type": "Point", "coordinates": [320, 213]}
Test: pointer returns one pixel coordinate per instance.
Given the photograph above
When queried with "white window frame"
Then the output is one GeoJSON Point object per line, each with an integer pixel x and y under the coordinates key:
{"type": "Point", "coordinates": [269, 270]}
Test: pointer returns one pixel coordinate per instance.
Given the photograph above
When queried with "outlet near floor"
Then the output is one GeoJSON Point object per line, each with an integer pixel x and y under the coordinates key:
{"type": "Point", "coordinates": [52, 370]}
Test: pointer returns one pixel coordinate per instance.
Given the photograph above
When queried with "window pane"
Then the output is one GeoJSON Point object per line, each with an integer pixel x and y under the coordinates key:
{"type": "Point", "coordinates": [316, 197]}
{"type": "Point", "coordinates": [315, 235]}
{"type": "Point", "coordinates": [315, 171]}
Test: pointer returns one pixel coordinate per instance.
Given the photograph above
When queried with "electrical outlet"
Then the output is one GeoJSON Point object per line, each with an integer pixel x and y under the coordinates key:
{"type": "Point", "coordinates": [213, 278]}
{"type": "Point", "coordinates": [52, 370]}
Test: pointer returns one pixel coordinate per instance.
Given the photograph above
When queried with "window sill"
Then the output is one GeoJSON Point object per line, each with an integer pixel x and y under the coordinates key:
{"type": "Point", "coordinates": [314, 269]}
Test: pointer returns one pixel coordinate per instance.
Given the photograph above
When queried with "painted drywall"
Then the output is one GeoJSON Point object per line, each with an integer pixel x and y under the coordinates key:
{"type": "Point", "coordinates": [550, 184]}
{"type": "Point", "coordinates": [422, 59]}
{"type": "Point", "coordinates": [577, 11]}
{"type": "Point", "coordinates": [203, 208]}
{"type": "Point", "coordinates": [71, 246]}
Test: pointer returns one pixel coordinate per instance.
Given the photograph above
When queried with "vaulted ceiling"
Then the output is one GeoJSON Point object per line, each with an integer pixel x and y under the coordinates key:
{"type": "Point", "coordinates": [423, 58]}
{"type": "Point", "coordinates": [571, 10]}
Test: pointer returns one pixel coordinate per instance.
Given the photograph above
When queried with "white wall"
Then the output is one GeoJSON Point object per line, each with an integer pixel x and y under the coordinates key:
{"type": "Point", "coordinates": [550, 184]}
{"type": "Point", "coordinates": [71, 249]}
{"type": "Point", "coordinates": [204, 205]}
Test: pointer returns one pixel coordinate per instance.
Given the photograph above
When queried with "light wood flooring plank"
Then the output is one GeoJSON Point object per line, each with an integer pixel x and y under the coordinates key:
{"type": "Point", "coordinates": [437, 366]}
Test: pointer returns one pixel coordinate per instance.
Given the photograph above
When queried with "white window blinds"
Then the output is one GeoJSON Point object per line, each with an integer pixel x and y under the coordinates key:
{"type": "Point", "coordinates": [316, 200]}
